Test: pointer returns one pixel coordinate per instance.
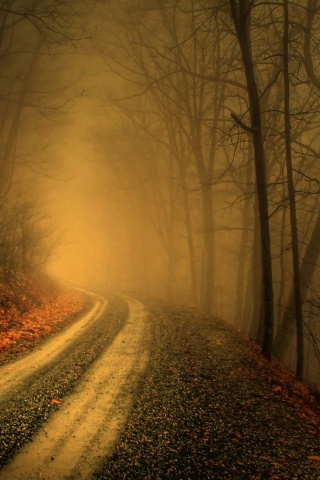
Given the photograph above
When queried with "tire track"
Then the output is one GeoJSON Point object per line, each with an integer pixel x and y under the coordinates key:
{"type": "Point", "coordinates": [13, 375]}
{"type": "Point", "coordinates": [76, 438]}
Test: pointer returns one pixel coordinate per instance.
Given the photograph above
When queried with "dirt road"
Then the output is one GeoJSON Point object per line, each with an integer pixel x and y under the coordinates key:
{"type": "Point", "coordinates": [88, 421]}
{"type": "Point", "coordinates": [16, 373]}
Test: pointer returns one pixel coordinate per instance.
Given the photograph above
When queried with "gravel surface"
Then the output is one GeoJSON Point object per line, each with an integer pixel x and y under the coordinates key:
{"type": "Point", "coordinates": [24, 413]}
{"type": "Point", "coordinates": [208, 409]}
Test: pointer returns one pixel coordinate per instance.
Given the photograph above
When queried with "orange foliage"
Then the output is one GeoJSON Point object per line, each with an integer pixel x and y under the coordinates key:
{"type": "Point", "coordinates": [30, 311]}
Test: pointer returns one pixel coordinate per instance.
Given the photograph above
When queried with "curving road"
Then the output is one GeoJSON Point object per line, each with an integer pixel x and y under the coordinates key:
{"type": "Point", "coordinates": [77, 436]}
{"type": "Point", "coordinates": [13, 376]}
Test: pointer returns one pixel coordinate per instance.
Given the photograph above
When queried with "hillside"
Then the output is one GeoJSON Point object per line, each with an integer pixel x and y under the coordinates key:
{"type": "Point", "coordinates": [32, 309]}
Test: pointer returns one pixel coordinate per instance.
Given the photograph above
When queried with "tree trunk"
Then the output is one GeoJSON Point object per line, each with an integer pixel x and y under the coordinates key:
{"type": "Point", "coordinates": [256, 326]}
{"type": "Point", "coordinates": [190, 242]}
{"type": "Point", "coordinates": [244, 271]}
{"type": "Point", "coordinates": [9, 152]}
{"type": "Point", "coordinates": [209, 248]}
{"type": "Point", "coordinates": [309, 262]}
{"type": "Point", "coordinates": [241, 19]}
{"type": "Point", "coordinates": [292, 200]}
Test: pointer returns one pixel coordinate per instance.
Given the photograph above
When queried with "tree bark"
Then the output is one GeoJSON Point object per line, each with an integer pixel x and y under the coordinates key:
{"type": "Point", "coordinates": [241, 18]}
{"type": "Point", "coordinates": [292, 200]}
{"type": "Point", "coordinates": [209, 248]}
{"type": "Point", "coordinates": [309, 262]}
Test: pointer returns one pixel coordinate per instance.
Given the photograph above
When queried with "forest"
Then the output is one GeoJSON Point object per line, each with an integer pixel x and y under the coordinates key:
{"type": "Point", "coordinates": [169, 148]}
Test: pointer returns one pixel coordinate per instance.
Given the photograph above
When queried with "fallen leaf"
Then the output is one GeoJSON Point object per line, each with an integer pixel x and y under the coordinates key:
{"type": "Point", "coordinates": [315, 458]}
{"type": "Point", "coordinates": [277, 389]}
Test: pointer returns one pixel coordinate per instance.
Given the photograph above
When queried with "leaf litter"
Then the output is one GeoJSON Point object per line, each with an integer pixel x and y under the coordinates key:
{"type": "Point", "coordinates": [32, 309]}
{"type": "Point", "coordinates": [211, 407]}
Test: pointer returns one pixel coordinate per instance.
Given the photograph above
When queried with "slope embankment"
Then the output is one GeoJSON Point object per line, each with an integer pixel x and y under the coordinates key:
{"type": "Point", "coordinates": [31, 309]}
{"type": "Point", "coordinates": [211, 407]}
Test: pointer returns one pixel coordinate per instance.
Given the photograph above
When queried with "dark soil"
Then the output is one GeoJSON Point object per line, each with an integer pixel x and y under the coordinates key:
{"type": "Point", "coordinates": [210, 407]}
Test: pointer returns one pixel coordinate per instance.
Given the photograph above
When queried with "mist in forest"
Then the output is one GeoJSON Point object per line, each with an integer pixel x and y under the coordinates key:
{"type": "Point", "coordinates": [141, 153]}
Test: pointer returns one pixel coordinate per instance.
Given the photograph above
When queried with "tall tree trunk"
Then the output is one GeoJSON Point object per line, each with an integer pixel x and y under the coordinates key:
{"type": "Point", "coordinates": [282, 270]}
{"type": "Point", "coordinates": [243, 271]}
{"type": "Point", "coordinates": [256, 325]}
{"type": "Point", "coordinates": [241, 19]}
{"type": "Point", "coordinates": [308, 265]}
{"type": "Point", "coordinates": [209, 248]}
{"type": "Point", "coordinates": [172, 259]}
{"type": "Point", "coordinates": [7, 157]}
{"type": "Point", "coordinates": [190, 243]}
{"type": "Point", "coordinates": [292, 200]}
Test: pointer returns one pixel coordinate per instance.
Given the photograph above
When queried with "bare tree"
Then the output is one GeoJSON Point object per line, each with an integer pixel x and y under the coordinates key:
{"type": "Point", "coordinates": [166, 58]}
{"type": "Point", "coordinates": [26, 240]}
{"type": "Point", "coordinates": [241, 19]}
{"type": "Point", "coordinates": [292, 196]}
{"type": "Point", "coordinates": [30, 32]}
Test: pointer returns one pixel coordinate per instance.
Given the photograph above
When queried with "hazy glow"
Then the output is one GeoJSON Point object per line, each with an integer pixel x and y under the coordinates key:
{"type": "Point", "coordinates": [147, 180]}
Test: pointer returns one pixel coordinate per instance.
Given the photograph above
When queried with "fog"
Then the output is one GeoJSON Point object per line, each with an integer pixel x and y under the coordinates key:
{"type": "Point", "coordinates": [142, 166]}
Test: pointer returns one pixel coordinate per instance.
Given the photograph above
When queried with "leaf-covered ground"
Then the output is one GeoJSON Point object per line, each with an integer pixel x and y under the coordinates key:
{"type": "Point", "coordinates": [30, 310]}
